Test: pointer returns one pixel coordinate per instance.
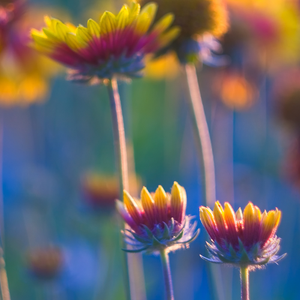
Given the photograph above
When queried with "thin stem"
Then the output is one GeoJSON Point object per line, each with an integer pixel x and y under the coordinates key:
{"type": "Point", "coordinates": [3, 281]}
{"type": "Point", "coordinates": [134, 278]}
{"type": "Point", "coordinates": [245, 283]}
{"type": "Point", "coordinates": [203, 142]}
{"type": "Point", "coordinates": [167, 275]}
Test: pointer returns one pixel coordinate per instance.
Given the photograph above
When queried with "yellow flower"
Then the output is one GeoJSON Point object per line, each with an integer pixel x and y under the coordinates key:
{"type": "Point", "coordinates": [24, 75]}
{"type": "Point", "coordinates": [114, 46]}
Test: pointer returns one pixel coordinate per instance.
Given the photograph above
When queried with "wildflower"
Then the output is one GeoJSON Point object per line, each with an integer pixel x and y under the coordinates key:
{"type": "Point", "coordinates": [234, 90]}
{"type": "Point", "coordinates": [196, 18]}
{"type": "Point", "coordinates": [101, 190]}
{"type": "Point", "coordinates": [245, 239]}
{"type": "Point", "coordinates": [114, 46]}
{"type": "Point", "coordinates": [45, 263]}
{"type": "Point", "coordinates": [158, 221]}
{"type": "Point", "coordinates": [24, 75]}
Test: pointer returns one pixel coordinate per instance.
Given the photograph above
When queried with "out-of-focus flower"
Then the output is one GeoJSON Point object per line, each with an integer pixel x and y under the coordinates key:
{"type": "Point", "coordinates": [195, 18]}
{"type": "Point", "coordinates": [166, 66]}
{"type": "Point", "coordinates": [115, 46]}
{"type": "Point", "coordinates": [45, 263]}
{"type": "Point", "coordinates": [292, 163]}
{"type": "Point", "coordinates": [286, 93]}
{"type": "Point", "coordinates": [234, 90]}
{"type": "Point", "coordinates": [272, 31]}
{"type": "Point", "coordinates": [102, 190]}
{"type": "Point", "coordinates": [24, 75]}
{"type": "Point", "coordinates": [245, 239]}
{"type": "Point", "coordinates": [158, 221]}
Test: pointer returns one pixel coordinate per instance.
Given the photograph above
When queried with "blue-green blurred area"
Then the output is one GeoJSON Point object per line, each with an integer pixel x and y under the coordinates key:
{"type": "Point", "coordinates": [48, 147]}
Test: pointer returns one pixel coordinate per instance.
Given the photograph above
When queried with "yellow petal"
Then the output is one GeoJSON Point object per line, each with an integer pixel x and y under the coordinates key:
{"type": "Point", "coordinates": [72, 42]}
{"type": "Point", "coordinates": [239, 214]}
{"type": "Point", "coordinates": [164, 23]}
{"type": "Point", "coordinates": [147, 203]}
{"type": "Point", "coordinates": [150, 10]}
{"type": "Point", "coordinates": [107, 23]}
{"type": "Point", "coordinates": [122, 17]}
{"type": "Point", "coordinates": [132, 207]}
{"type": "Point", "coordinates": [169, 36]}
{"type": "Point", "coordinates": [51, 35]}
{"type": "Point", "coordinates": [219, 217]}
{"type": "Point", "coordinates": [249, 214]}
{"type": "Point", "coordinates": [160, 198]}
{"type": "Point", "coordinates": [229, 215]}
{"type": "Point", "coordinates": [83, 36]}
{"type": "Point", "coordinates": [93, 27]}
{"type": "Point", "coordinates": [133, 12]}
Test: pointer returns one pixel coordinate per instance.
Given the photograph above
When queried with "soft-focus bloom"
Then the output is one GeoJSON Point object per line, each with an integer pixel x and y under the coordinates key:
{"type": "Point", "coordinates": [157, 220]}
{"type": "Point", "coordinates": [286, 93]}
{"type": "Point", "coordinates": [234, 90]}
{"type": "Point", "coordinates": [243, 239]}
{"type": "Point", "coordinates": [195, 18]}
{"type": "Point", "coordinates": [269, 31]}
{"type": "Point", "coordinates": [100, 191]}
{"type": "Point", "coordinates": [114, 46]}
{"type": "Point", "coordinates": [24, 74]}
{"type": "Point", "coordinates": [45, 263]}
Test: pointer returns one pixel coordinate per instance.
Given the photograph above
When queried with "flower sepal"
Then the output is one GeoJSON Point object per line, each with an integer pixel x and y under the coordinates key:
{"type": "Point", "coordinates": [161, 237]}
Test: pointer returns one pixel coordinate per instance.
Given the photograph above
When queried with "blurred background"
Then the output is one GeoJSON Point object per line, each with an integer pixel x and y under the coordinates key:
{"type": "Point", "coordinates": [57, 157]}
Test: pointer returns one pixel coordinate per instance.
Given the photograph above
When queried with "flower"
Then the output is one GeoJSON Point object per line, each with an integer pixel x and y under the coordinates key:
{"type": "Point", "coordinates": [234, 90]}
{"type": "Point", "coordinates": [101, 190]}
{"type": "Point", "coordinates": [244, 239]}
{"type": "Point", "coordinates": [195, 18]}
{"type": "Point", "coordinates": [24, 75]}
{"type": "Point", "coordinates": [45, 263]}
{"type": "Point", "coordinates": [114, 46]}
{"type": "Point", "coordinates": [158, 221]}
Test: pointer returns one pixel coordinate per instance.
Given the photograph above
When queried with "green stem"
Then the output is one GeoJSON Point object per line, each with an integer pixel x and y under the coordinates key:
{"type": "Point", "coordinates": [134, 278]}
{"type": "Point", "coordinates": [245, 283]}
{"type": "Point", "coordinates": [203, 142]}
{"type": "Point", "coordinates": [3, 281]}
{"type": "Point", "coordinates": [167, 275]}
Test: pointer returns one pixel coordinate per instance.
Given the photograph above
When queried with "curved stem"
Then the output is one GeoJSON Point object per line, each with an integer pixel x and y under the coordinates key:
{"type": "Point", "coordinates": [202, 138]}
{"type": "Point", "coordinates": [167, 275]}
{"type": "Point", "coordinates": [134, 278]}
{"type": "Point", "coordinates": [245, 283]}
{"type": "Point", "coordinates": [3, 281]}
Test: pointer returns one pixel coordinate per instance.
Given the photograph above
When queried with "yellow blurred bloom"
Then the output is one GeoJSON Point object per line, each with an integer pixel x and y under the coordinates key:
{"type": "Point", "coordinates": [24, 75]}
{"type": "Point", "coordinates": [273, 29]}
{"type": "Point", "coordinates": [163, 67]}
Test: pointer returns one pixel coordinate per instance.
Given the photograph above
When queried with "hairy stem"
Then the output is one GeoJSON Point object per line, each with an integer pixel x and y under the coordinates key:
{"type": "Point", "coordinates": [202, 138]}
{"type": "Point", "coordinates": [245, 283]}
{"type": "Point", "coordinates": [134, 278]}
{"type": "Point", "coordinates": [167, 275]}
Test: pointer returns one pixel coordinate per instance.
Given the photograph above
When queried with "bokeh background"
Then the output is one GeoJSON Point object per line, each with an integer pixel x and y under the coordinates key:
{"type": "Point", "coordinates": [61, 241]}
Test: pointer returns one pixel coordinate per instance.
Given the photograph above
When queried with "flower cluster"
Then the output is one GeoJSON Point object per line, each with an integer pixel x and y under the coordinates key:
{"type": "Point", "coordinates": [114, 46]}
{"type": "Point", "coordinates": [244, 239]}
{"type": "Point", "coordinates": [157, 221]}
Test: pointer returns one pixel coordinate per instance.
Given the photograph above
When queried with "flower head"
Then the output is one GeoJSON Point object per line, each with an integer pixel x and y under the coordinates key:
{"type": "Point", "coordinates": [24, 74]}
{"type": "Point", "coordinates": [244, 239]}
{"type": "Point", "coordinates": [114, 46]}
{"type": "Point", "coordinates": [158, 220]}
{"type": "Point", "coordinates": [195, 18]}
{"type": "Point", "coordinates": [45, 263]}
{"type": "Point", "coordinates": [100, 191]}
